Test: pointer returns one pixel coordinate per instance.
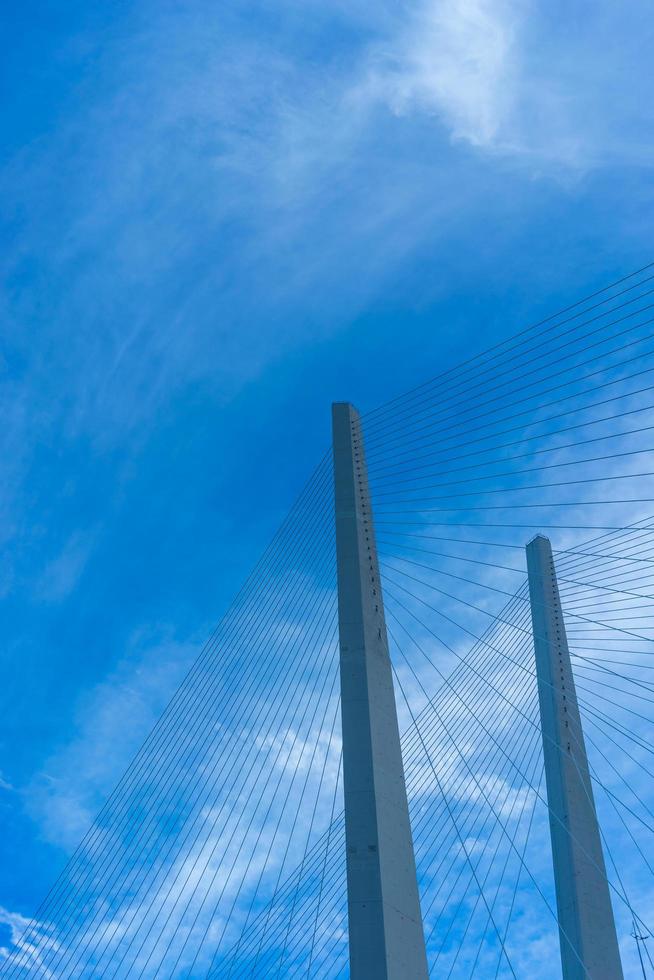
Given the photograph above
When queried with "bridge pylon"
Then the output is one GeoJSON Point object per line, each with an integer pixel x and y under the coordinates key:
{"type": "Point", "coordinates": [386, 935]}
{"type": "Point", "coordinates": [587, 934]}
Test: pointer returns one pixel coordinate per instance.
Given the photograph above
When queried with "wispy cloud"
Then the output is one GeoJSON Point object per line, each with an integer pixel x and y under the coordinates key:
{"type": "Point", "coordinates": [455, 59]}
{"type": "Point", "coordinates": [65, 795]}
{"type": "Point", "coordinates": [504, 77]}
{"type": "Point", "coordinates": [61, 575]}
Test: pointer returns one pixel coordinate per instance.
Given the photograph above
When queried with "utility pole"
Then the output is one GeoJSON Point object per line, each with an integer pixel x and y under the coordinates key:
{"type": "Point", "coordinates": [385, 923]}
{"type": "Point", "coordinates": [587, 936]}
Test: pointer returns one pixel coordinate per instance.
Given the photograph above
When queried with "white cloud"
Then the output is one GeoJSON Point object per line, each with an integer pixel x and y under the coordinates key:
{"type": "Point", "coordinates": [510, 78]}
{"type": "Point", "coordinates": [456, 59]}
{"type": "Point", "coordinates": [37, 947]}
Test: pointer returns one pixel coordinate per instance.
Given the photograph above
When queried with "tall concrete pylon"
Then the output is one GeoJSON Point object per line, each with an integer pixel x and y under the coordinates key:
{"type": "Point", "coordinates": [385, 923]}
{"type": "Point", "coordinates": [587, 935]}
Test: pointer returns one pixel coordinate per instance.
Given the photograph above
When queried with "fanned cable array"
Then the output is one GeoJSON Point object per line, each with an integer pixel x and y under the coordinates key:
{"type": "Point", "coordinates": [552, 432]}
{"type": "Point", "coordinates": [221, 852]}
{"type": "Point", "coordinates": [196, 835]}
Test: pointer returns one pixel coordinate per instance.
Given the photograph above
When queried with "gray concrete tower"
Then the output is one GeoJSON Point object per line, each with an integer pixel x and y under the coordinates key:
{"type": "Point", "coordinates": [385, 923]}
{"type": "Point", "coordinates": [587, 936]}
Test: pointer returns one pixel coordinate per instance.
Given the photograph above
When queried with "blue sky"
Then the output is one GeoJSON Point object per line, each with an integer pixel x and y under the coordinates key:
{"type": "Point", "coordinates": [215, 222]}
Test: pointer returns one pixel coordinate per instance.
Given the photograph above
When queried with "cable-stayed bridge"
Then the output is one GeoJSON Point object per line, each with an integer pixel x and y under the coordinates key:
{"type": "Point", "coordinates": [476, 558]}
